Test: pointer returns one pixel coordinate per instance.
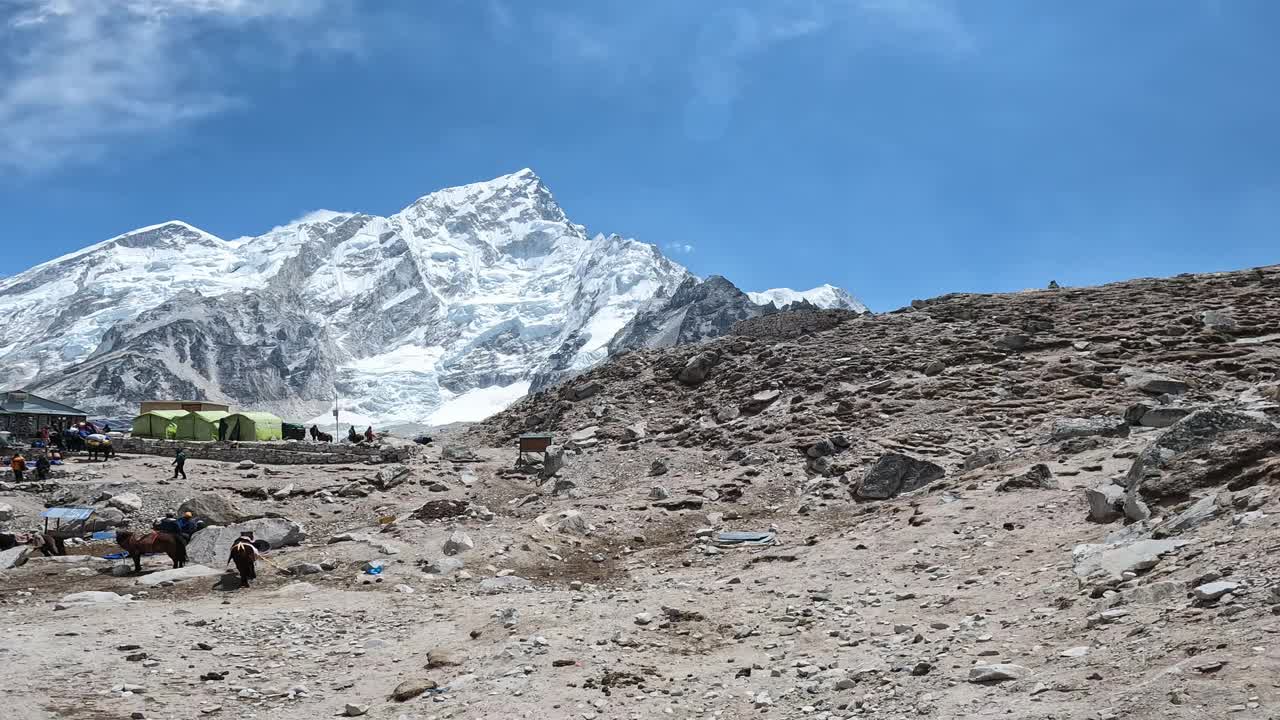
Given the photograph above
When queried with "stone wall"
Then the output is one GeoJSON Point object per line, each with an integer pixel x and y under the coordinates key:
{"type": "Point", "coordinates": [270, 453]}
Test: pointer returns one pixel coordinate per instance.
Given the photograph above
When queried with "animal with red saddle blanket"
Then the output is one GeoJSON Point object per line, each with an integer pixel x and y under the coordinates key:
{"type": "Point", "coordinates": [139, 544]}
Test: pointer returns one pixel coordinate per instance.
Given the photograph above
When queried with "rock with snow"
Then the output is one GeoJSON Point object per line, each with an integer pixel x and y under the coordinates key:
{"type": "Point", "coordinates": [92, 598]}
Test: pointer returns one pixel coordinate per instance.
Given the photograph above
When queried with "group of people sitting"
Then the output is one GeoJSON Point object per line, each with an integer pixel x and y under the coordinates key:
{"type": "Point", "coordinates": [19, 465]}
{"type": "Point", "coordinates": [356, 438]}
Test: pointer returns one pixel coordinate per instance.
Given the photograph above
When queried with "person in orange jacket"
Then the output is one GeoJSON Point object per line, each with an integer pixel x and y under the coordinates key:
{"type": "Point", "coordinates": [18, 465]}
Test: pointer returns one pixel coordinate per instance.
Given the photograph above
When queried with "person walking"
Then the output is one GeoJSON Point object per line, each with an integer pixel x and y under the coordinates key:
{"type": "Point", "coordinates": [179, 464]}
{"type": "Point", "coordinates": [42, 468]}
{"type": "Point", "coordinates": [19, 465]}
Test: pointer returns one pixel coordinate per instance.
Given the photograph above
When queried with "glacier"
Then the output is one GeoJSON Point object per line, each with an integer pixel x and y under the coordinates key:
{"type": "Point", "coordinates": [446, 311]}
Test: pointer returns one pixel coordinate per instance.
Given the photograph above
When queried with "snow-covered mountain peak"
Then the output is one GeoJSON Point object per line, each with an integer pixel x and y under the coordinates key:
{"type": "Point", "coordinates": [443, 311]}
{"type": "Point", "coordinates": [827, 297]}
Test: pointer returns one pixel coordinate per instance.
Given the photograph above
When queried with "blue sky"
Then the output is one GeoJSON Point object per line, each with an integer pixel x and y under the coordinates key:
{"type": "Point", "coordinates": [898, 148]}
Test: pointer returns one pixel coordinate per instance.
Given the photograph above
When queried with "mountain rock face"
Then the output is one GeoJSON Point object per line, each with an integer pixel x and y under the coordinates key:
{"type": "Point", "coordinates": [448, 310]}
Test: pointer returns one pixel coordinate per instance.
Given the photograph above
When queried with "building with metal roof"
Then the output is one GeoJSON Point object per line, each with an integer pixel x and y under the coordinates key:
{"type": "Point", "coordinates": [24, 414]}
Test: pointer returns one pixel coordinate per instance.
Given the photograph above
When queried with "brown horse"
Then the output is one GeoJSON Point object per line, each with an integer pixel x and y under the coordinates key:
{"type": "Point", "coordinates": [245, 555]}
{"type": "Point", "coordinates": [152, 542]}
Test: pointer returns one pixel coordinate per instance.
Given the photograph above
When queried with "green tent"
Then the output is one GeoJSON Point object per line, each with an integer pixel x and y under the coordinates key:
{"type": "Point", "coordinates": [200, 425]}
{"type": "Point", "coordinates": [156, 424]}
{"type": "Point", "coordinates": [254, 426]}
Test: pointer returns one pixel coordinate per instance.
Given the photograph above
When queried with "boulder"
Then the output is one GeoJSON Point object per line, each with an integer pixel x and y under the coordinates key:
{"type": "Point", "coordinates": [984, 457]}
{"type": "Point", "coordinates": [1214, 590]}
{"type": "Point", "coordinates": [1106, 502]}
{"type": "Point", "coordinates": [758, 402]}
{"type": "Point", "coordinates": [213, 508]}
{"type": "Point", "coordinates": [1157, 384]}
{"type": "Point", "coordinates": [457, 543]}
{"type": "Point", "coordinates": [634, 432]}
{"type": "Point", "coordinates": [565, 521]}
{"type": "Point", "coordinates": [896, 473]}
{"type": "Point", "coordinates": [658, 467]}
{"type": "Point", "coordinates": [1163, 416]}
{"type": "Point", "coordinates": [14, 557]}
{"type": "Point", "coordinates": [174, 575]}
{"type": "Point", "coordinates": [246, 465]}
{"type": "Point", "coordinates": [1207, 448]}
{"type": "Point", "coordinates": [389, 476]}
{"type": "Point", "coordinates": [997, 673]}
{"type": "Point", "coordinates": [1013, 341]}
{"type": "Point", "coordinates": [1039, 477]}
{"type": "Point", "coordinates": [126, 502]}
{"type": "Point", "coordinates": [6, 512]}
{"type": "Point", "coordinates": [583, 391]}
{"type": "Point", "coordinates": [1200, 512]}
{"type": "Point", "coordinates": [211, 545]}
{"type": "Point", "coordinates": [695, 371]}
{"type": "Point", "coordinates": [104, 518]}
{"type": "Point", "coordinates": [410, 689]}
{"type": "Point", "coordinates": [1101, 564]}
{"type": "Point", "coordinates": [658, 492]}
{"type": "Point", "coordinates": [1218, 321]}
{"type": "Point", "coordinates": [1103, 426]}
{"type": "Point", "coordinates": [553, 462]}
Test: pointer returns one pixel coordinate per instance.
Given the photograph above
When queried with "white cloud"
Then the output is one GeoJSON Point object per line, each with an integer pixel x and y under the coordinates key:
{"type": "Point", "coordinates": [76, 76]}
{"type": "Point", "coordinates": [679, 248]}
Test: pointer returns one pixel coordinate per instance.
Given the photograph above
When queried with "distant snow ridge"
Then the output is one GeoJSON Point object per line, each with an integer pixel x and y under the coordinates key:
{"type": "Point", "coordinates": [826, 297]}
{"type": "Point", "coordinates": [446, 311]}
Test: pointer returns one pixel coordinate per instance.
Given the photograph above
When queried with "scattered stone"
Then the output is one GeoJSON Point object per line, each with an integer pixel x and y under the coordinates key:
{"type": "Point", "coordinates": [997, 673]}
{"type": "Point", "coordinates": [458, 543]}
{"type": "Point", "coordinates": [410, 689]}
{"type": "Point", "coordinates": [896, 473]}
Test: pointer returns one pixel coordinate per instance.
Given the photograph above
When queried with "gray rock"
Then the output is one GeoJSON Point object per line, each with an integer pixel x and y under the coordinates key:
{"type": "Point", "coordinates": [126, 502]}
{"type": "Point", "coordinates": [634, 432]}
{"type": "Point", "coordinates": [104, 518]}
{"type": "Point", "coordinates": [997, 673]}
{"type": "Point", "coordinates": [6, 512]}
{"type": "Point", "coordinates": [175, 575]}
{"type": "Point", "coordinates": [935, 368]}
{"type": "Point", "coordinates": [355, 709]}
{"type": "Point", "coordinates": [1207, 428]}
{"type": "Point", "coordinates": [553, 462]}
{"type": "Point", "coordinates": [1163, 416]}
{"type": "Point", "coordinates": [658, 467]}
{"type": "Point", "coordinates": [1218, 321]}
{"type": "Point", "coordinates": [1100, 564]}
{"type": "Point", "coordinates": [1038, 477]}
{"type": "Point", "coordinates": [246, 465]}
{"type": "Point", "coordinates": [896, 473]}
{"type": "Point", "coordinates": [284, 492]}
{"type": "Point", "coordinates": [1106, 502]}
{"type": "Point", "coordinates": [695, 371]}
{"type": "Point", "coordinates": [389, 476]}
{"type": "Point", "coordinates": [458, 453]}
{"type": "Point", "coordinates": [506, 583]}
{"type": "Point", "coordinates": [92, 598]}
{"type": "Point", "coordinates": [14, 557]}
{"type": "Point", "coordinates": [1013, 341]}
{"type": "Point", "coordinates": [758, 402]}
{"type": "Point", "coordinates": [1067, 428]}
{"type": "Point", "coordinates": [212, 544]}
{"type": "Point", "coordinates": [444, 566]}
{"type": "Point", "coordinates": [984, 457]}
{"type": "Point", "coordinates": [583, 391]}
{"type": "Point", "coordinates": [1157, 593]}
{"type": "Point", "coordinates": [1214, 590]}
{"type": "Point", "coordinates": [213, 508]}
{"type": "Point", "coordinates": [458, 543]}
{"type": "Point", "coordinates": [658, 492]}
{"type": "Point", "coordinates": [1157, 384]}
{"type": "Point", "coordinates": [305, 568]}
{"type": "Point", "coordinates": [1200, 512]}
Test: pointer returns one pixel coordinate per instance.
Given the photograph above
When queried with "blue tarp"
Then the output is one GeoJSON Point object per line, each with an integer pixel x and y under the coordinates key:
{"type": "Point", "coordinates": [68, 513]}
